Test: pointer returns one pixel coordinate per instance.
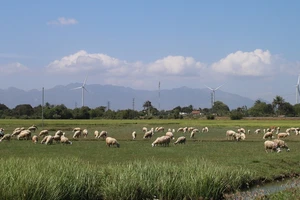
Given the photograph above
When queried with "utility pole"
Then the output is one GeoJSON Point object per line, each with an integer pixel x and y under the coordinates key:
{"type": "Point", "coordinates": [159, 95]}
{"type": "Point", "coordinates": [133, 104]}
{"type": "Point", "coordinates": [108, 105]}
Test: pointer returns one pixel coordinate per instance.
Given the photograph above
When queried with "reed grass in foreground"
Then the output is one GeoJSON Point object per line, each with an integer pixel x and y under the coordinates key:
{"type": "Point", "coordinates": [71, 178]}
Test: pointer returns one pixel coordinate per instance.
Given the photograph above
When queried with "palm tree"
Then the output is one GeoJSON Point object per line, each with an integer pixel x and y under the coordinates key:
{"type": "Point", "coordinates": [147, 106]}
{"type": "Point", "coordinates": [278, 101]}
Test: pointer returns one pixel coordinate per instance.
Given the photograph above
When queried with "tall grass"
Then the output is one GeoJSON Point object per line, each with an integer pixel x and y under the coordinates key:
{"type": "Point", "coordinates": [71, 178]}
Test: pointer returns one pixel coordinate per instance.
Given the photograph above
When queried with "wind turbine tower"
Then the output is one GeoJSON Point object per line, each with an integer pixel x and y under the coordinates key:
{"type": "Point", "coordinates": [82, 90]}
{"type": "Point", "coordinates": [213, 93]}
{"type": "Point", "coordinates": [159, 95]}
{"type": "Point", "coordinates": [298, 90]}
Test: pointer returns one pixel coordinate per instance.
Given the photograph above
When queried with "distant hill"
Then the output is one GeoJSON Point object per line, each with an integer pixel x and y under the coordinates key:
{"type": "Point", "coordinates": [120, 98]}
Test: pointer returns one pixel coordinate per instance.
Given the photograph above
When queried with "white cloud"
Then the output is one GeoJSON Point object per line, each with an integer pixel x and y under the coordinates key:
{"type": "Point", "coordinates": [256, 63]}
{"type": "Point", "coordinates": [63, 21]}
{"type": "Point", "coordinates": [12, 68]}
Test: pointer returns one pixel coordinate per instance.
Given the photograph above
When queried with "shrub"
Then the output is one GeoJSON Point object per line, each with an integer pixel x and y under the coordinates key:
{"type": "Point", "coordinates": [210, 117]}
{"type": "Point", "coordinates": [236, 116]}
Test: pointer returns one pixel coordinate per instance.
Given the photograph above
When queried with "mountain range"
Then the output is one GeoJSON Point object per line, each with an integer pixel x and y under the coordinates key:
{"type": "Point", "coordinates": [119, 97]}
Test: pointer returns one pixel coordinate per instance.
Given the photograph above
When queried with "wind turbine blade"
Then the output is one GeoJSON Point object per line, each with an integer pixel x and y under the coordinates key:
{"type": "Point", "coordinates": [218, 87]}
{"type": "Point", "coordinates": [84, 81]}
{"type": "Point", "coordinates": [209, 87]}
{"type": "Point", "coordinates": [298, 80]}
{"type": "Point", "coordinates": [85, 89]}
{"type": "Point", "coordinates": [76, 88]}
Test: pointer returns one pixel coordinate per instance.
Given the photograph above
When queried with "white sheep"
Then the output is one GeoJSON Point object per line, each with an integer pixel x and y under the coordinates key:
{"type": "Point", "coordinates": [103, 134]}
{"type": "Point", "coordinates": [268, 134]}
{"type": "Point", "coordinates": [282, 135]}
{"type": "Point", "coordinates": [77, 134]}
{"type": "Point", "coordinates": [64, 139]}
{"type": "Point", "coordinates": [35, 139]}
{"type": "Point", "coordinates": [96, 134]}
{"type": "Point", "coordinates": [257, 131]}
{"type": "Point", "coordinates": [159, 129]}
{"type": "Point", "coordinates": [56, 138]}
{"type": "Point", "coordinates": [281, 144]}
{"type": "Point", "coordinates": [43, 133]}
{"type": "Point", "coordinates": [149, 134]}
{"type": "Point", "coordinates": [47, 140]}
{"type": "Point", "coordinates": [6, 137]}
{"type": "Point", "coordinates": [144, 129]}
{"type": "Point", "coordinates": [192, 134]}
{"type": "Point", "coordinates": [59, 133]}
{"type": "Point", "coordinates": [111, 142]}
{"type": "Point", "coordinates": [230, 134]}
{"type": "Point", "coordinates": [190, 129]}
{"type": "Point", "coordinates": [241, 130]}
{"type": "Point", "coordinates": [25, 134]}
{"type": "Point", "coordinates": [33, 128]}
{"type": "Point", "coordinates": [76, 129]}
{"type": "Point", "coordinates": [205, 129]}
{"type": "Point", "coordinates": [249, 131]}
{"type": "Point", "coordinates": [163, 140]}
{"type": "Point", "coordinates": [170, 134]}
{"type": "Point", "coordinates": [133, 135]}
{"type": "Point", "coordinates": [180, 140]}
{"type": "Point", "coordinates": [85, 133]}
{"type": "Point", "coordinates": [271, 145]}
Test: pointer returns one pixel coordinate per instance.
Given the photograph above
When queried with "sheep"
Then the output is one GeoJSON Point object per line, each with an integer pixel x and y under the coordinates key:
{"type": "Point", "coordinates": [268, 134]}
{"type": "Point", "coordinates": [133, 135]}
{"type": "Point", "coordinates": [241, 130]}
{"type": "Point", "coordinates": [77, 134]}
{"type": "Point", "coordinates": [103, 134]}
{"type": "Point", "coordinates": [239, 136]}
{"type": "Point", "coordinates": [85, 133]}
{"type": "Point", "coordinates": [96, 134]}
{"type": "Point", "coordinates": [205, 129]}
{"type": "Point", "coordinates": [17, 131]}
{"type": "Point", "coordinates": [163, 140]}
{"type": "Point", "coordinates": [281, 144]}
{"type": "Point", "coordinates": [271, 145]}
{"type": "Point", "coordinates": [180, 140]}
{"type": "Point", "coordinates": [47, 140]}
{"type": "Point", "coordinates": [64, 139]}
{"type": "Point", "coordinates": [180, 129]}
{"type": "Point", "coordinates": [56, 138]}
{"type": "Point", "coordinates": [59, 133]}
{"type": "Point", "coordinates": [25, 134]}
{"type": "Point", "coordinates": [230, 134]}
{"type": "Point", "coordinates": [43, 133]}
{"type": "Point", "coordinates": [33, 128]}
{"type": "Point", "coordinates": [282, 135]}
{"type": "Point", "coordinates": [249, 131]}
{"type": "Point", "coordinates": [76, 129]}
{"type": "Point", "coordinates": [257, 131]}
{"type": "Point", "coordinates": [144, 129]}
{"type": "Point", "coordinates": [190, 129]}
{"type": "Point", "coordinates": [173, 130]}
{"type": "Point", "coordinates": [1, 132]}
{"type": "Point", "coordinates": [192, 134]}
{"type": "Point", "coordinates": [111, 142]}
{"type": "Point", "coordinates": [170, 134]}
{"type": "Point", "coordinates": [35, 139]}
{"type": "Point", "coordinates": [148, 134]}
{"type": "Point", "coordinates": [6, 137]}
{"type": "Point", "coordinates": [169, 130]}
{"type": "Point", "coordinates": [159, 129]}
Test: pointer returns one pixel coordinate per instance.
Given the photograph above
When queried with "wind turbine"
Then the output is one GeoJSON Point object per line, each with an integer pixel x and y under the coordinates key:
{"type": "Point", "coordinates": [82, 90]}
{"type": "Point", "coordinates": [298, 90]}
{"type": "Point", "coordinates": [213, 90]}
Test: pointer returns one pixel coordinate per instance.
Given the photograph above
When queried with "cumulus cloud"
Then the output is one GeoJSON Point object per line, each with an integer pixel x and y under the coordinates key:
{"type": "Point", "coordinates": [12, 68]}
{"type": "Point", "coordinates": [63, 21]}
{"type": "Point", "coordinates": [256, 63]}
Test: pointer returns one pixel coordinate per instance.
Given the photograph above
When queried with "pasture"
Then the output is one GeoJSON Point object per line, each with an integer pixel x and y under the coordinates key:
{"type": "Point", "coordinates": [245, 161]}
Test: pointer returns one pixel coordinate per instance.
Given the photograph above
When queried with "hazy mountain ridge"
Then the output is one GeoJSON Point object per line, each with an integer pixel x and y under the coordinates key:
{"type": "Point", "coordinates": [120, 97]}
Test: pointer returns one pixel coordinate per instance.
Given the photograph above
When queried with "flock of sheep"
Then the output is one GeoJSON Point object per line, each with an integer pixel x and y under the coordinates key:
{"type": "Point", "coordinates": [164, 140]}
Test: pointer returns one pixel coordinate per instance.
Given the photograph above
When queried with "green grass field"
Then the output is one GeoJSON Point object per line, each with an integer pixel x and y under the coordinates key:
{"type": "Point", "coordinates": [212, 148]}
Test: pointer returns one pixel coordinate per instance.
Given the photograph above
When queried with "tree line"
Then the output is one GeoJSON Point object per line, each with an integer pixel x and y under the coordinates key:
{"type": "Point", "coordinates": [279, 107]}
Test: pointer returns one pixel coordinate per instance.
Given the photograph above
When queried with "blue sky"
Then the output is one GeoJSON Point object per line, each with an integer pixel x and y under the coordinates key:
{"type": "Point", "coordinates": [252, 47]}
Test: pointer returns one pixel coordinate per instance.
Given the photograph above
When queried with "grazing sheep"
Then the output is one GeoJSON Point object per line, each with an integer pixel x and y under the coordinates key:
{"type": "Point", "coordinates": [77, 134]}
{"type": "Point", "coordinates": [180, 129]}
{"type": "Point", "coordinates": [17, 131]}
{"type": "Point", "coordinates": [268, 134]}
{"type": "Point", "coordinates": [281, 144]}
{"type": "Point", "coordinates": [64, 139]}
{"type": "Point", "coordinates": [282, 135]}
{"type": "Point", "coordinates": [96, 134]}
{"type": "Point", "coordinates": [180, 140]}
{"type": "Point", "coordinates": [159, 129]}
{"type": "Point", "coordinates": [241, 130]}
{"type": "Point", "coordinates": [43, 133]}
{"type": "Point", "coordinates": [239, 136]}
{"type": "Point", "coordinates": [271, 145]}
{"type": "Point", "coordinates": [85, 133]}
{"type": "Point", "coordinates": [173, 130]}
{"type": "Point", "coordinates": [169, 130]}
{"type": "Point", "coordinates": [47, 140]}
{"type": "Point", "coordinates": [257, 131]}
{"type": "Point", "coordinates": [111, 142]}
{"type": "Point", "coordinates": [192, 134]}
{"type": "Point", "coordinates": [59, 133]}
{"type": "Point", "coordinates": [6, 137]}
{"type": "Point", "coordinates": [205, 129]}
{"type": "Point", "coordinates": [249, 131]}
{"type": "Point", "coordinates": [1, 132]}
{"type": "Point", "coordinates": [25, 134]}
{"type": "Point", "coordinates": [34, 139]}
{"type": "Point", "coordinates": [163, 140]}
{"type": "Point", "coordinates": [170, 134]}
{"type": "Point", "coordinates": [190, 129]}
{"type": "Point", "coordinates": [103, 134]}
{"type": "Point", "coordinates": [144, 129]}
{"type": "Point", "coordinates": [148, 134]}
{"type": "Point", "coordinates": [133, 135]}
{"type": "Point", "coordinates": [33, 128]}
{"type": "Point", "coordinates": [230, 134]}
{"type": "Point", "coordinates": [56, 138]}
{"type": "Point", "coordinates": [76, 129]}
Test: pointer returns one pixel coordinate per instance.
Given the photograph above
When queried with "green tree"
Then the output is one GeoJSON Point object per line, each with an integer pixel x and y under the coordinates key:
{"type": "Point", "coordinates": [220, 108]}
{"type": "Point", "coordinates": [261, 109]}
{"type": "Point", "coordinates": [277, 103]}
{"type": "Point", "coordinates": [23, 110]}
{"type": "Point", "coordinates": [297, 109]}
